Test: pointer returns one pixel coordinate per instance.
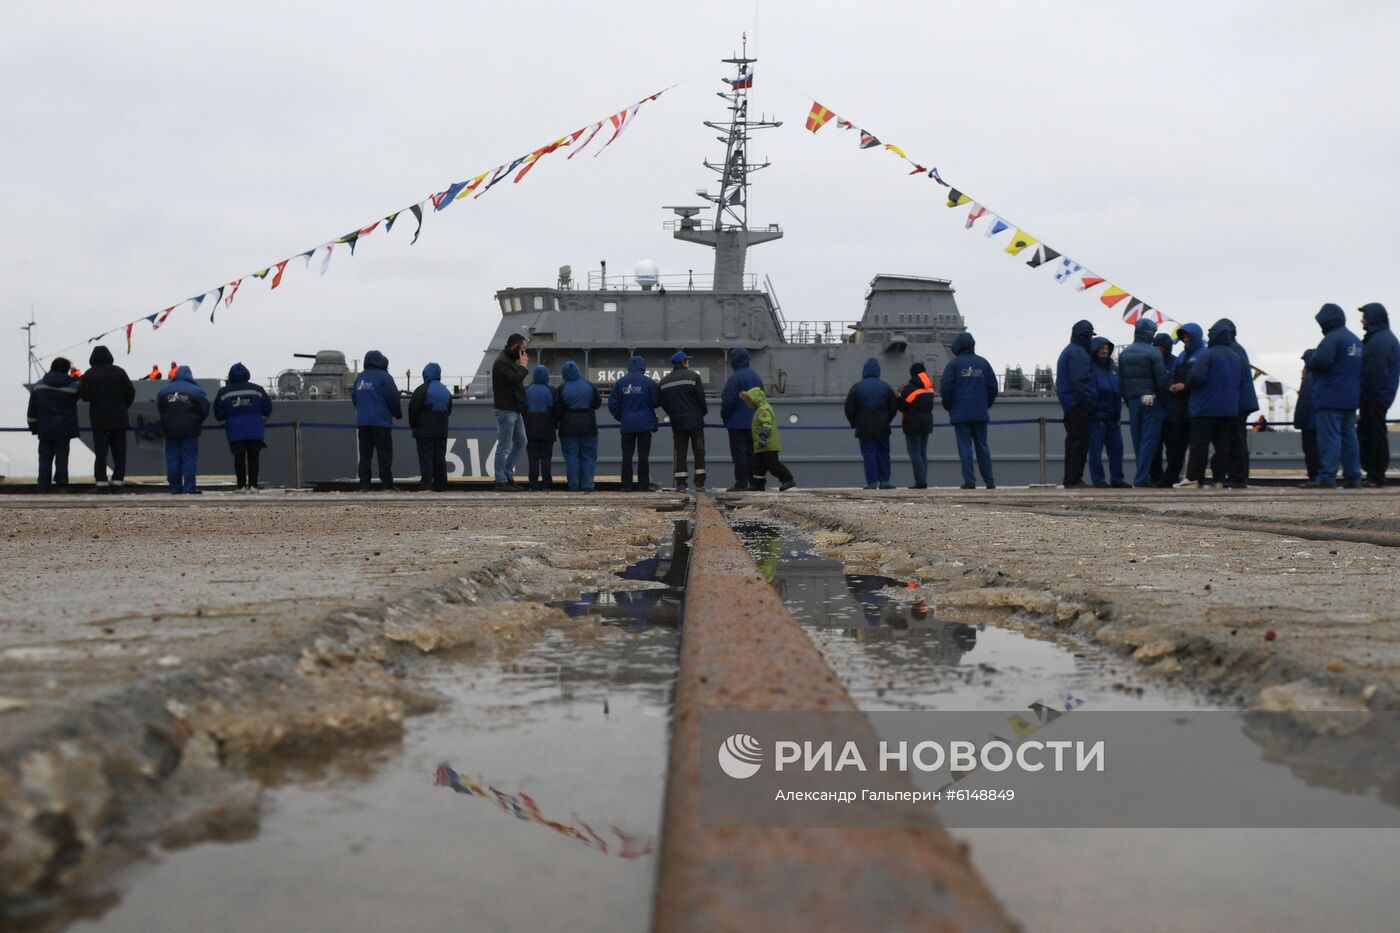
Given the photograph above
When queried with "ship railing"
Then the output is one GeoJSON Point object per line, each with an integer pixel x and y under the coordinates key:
{"type": "Point", "coordinates": [671, 282]}
{"type": "Point", "coordinates": [820, 332]}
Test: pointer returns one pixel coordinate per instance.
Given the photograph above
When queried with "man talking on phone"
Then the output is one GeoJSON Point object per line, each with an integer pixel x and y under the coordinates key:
{"type": "Point", "coordinates": [508, 398]}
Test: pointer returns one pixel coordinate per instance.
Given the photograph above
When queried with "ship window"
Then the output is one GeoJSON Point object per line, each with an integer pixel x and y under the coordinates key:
{"type": "Point", "coordinates": [539, 302]}
{"type": "Point", "coordinates": [505, 306]}
{"type": "Point", "coordinates": [556, 302]}
{"type": "Point", "coordinates": [609, 306]}
{"type": "Point", "coordinates": [515, 303]}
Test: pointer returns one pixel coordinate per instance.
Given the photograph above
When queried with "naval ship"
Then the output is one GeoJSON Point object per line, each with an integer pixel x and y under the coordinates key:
{"type": "Point", "coordinates": [807, 366]}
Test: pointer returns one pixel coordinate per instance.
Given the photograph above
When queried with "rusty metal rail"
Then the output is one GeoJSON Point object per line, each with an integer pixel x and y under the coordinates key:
{"type": "Point", "coordinates": [742, 650]}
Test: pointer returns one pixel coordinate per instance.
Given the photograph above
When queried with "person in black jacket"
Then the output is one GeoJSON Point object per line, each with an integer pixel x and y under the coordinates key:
{"type": "Point", "coordinates": [541, 418]}
{"type": "Point", "coordinates": [916, 402]}
{"type": "Point", "coordinates": [683, 400]}
{"type": "Point", "coordinates": [53, 417]}
{"type": "Point", "coordinates": [870, 407]}
{"type": "Point", "coordinates": [508, 375]}
{"type": "Point", "coordinates": [109, 394]}
{"type": "Point", "coordinates": [429, 411]}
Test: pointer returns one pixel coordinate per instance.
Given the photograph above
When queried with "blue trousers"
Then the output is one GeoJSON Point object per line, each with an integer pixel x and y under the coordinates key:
{"type": "Point", "coordinates": [1336, 444]}
{"type": "Point", "coordinates": [1145, 425]}
{"type": "Point", "coordinates": [1105, 434]}
{"type": "Point", "coordinates": [917, 444]}
{"type": "Point", "coordinates": [181, 463]}
{"type": "Point", "coordinates": [510, 444]}
{"type": "Point", "coordinates": [580, 460]}
{"type": "Point", "coordinates": [875, 451]}
{"type": "Point", "coordinates": [973, 434]}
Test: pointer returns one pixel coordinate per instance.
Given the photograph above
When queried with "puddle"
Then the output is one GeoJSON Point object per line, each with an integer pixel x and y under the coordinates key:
{"type": "Point", "coordinates": [892, 653]}
{"type": "Point", "coordinates": [531, 801]}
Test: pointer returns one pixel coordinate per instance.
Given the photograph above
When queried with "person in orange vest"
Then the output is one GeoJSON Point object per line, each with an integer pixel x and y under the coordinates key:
{"type": "Point", "coordinates": [154, 374]}
{"type": "Point", "coordinates": [916, 401]}
{"type": "Point", "coordinates": [174, 370]}
{"type": "Point", "coordinates": [76, 373]}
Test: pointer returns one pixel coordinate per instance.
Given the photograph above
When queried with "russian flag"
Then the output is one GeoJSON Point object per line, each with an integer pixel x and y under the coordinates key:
{"type": "Point", "coordinates": [743, 82]}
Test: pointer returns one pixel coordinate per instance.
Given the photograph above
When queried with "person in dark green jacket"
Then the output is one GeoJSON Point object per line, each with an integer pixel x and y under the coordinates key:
{"type": "Point", "coordinates": [766, 444]}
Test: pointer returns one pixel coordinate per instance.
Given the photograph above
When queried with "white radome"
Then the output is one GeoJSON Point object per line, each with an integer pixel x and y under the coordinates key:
{"type": "Point", "coordinates": [647, 272]}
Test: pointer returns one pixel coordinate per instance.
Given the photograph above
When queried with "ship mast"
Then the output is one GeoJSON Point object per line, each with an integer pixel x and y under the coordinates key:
{"type": "Point", "coordinates": [729, 235]}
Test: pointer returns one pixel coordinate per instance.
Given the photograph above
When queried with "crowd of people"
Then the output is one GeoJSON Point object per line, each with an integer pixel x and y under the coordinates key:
{"type": "Point", "coordinates": [1186, 411]}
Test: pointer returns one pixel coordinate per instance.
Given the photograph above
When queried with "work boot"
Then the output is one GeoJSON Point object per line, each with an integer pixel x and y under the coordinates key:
{"type": "Point", "coordinates": [786, 486]}
{"type": "Point", "coordinates": [968, 486]}
{"type": "Point", "coordinates": [887, 486]}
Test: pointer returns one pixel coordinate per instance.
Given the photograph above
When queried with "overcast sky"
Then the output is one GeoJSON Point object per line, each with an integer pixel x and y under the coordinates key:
{"type": "Point", "coordinates": [1217, 159]}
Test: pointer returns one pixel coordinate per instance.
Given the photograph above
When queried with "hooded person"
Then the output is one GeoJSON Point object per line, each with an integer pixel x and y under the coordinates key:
{"type": "Point", "coordinates": [541, 420]}
{"type": "Point", "coordinates": [1236, 471]}
{"type": "Point", "coordinates": [429, 414]}
{"type": "Point", "coordinates": [578, 427]}
{"type": "Point", "coordinates": [1380, 375]}
{"type": "Point", "coordinates": [1142, 377]}
{"type": "Point", "coordinates": [53, 418]}
{"type": "Point", "coordinates": [1162, 343]}
{"type": "Point", "coordinates": [183, 406]}
{"type": "Point", "coordinates": [683, 400]}
{"type": "Point", "coordinates": [109, 393]}
{"type": "Point", "coordinates": [870, 407]}
{"type": "Point", "coordinates": [1214, 377]}
{"type": "Point", "coordinates": [1077, 391]}
{"type": "Point", "coordinates": [766, 445]}
{"type": "Point", "coordinates": [916, 406]}
{"type": "Point", "coordinates": [376, 399]}
{"type": "Point", "coordinates": [1336, 367]}
{"type": "Point", "coordinates": [633, 402]}
{"type": "Point", "coordinates": [243, 407]}
{"type": "Point", "coordinates": [1176, 432]}
{"type": "Point", "coordinates": [738, 416]}
{"type": "Point", "coordinates": [1105, 431]}
{"type": "Point", "coordinates": [508, 375]}
{"type": "Point", "coordinates": [969, 389]}
{"type": "Point", "coordinates": [1305, 420]}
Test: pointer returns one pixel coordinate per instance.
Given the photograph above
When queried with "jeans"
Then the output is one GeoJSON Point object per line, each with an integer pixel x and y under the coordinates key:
{"type": "Point", "coordinates": [765, 462]}
{"type": "Point", "coordinates": [1336, 443]}
{"type": "Point", "coordinates": [376, 441]}
{"type": "Point", "coordinates": [1105, 434]}
{"type": "Point", "coordinates": [741, 452]}
{"type": "Point", "coordinates": [53, 462]}
{"type": "Point", "coordinates": [1205, 433]}
{"type": "Point", "coordinates": [1076, 444]}
{"type": "Point", "coordinates": [636, 443]}
{"type": "Point", "coordinates": [1373, 440]}
{"type": "Point", "coordinates": [917, 445]}
{"type": "Point", "coordinates": [181, 463]}
{"type": "Point", "coordinates": [1145, 426]}
{"type": "Point", "coordinates": [540, 452]}
{"type": "Point", "coordinates": [973, 435]}
{"type": "Point", "coordinates": [432, 463]}
{"type": "Point", "coordinates": [695, 441]}
{"type": "Point", "coordinates": [580, 459]}
{"type": "Point", "coordinates": [103, 441]}
{"type": "Point", "coordinates": [510, 442]}
{"type": "Point", "coordinates": [875, 453]}
{"type": "Point", "coordinates": [1310, 461]}
{"type": "Point", "coordinates": [245, 462]}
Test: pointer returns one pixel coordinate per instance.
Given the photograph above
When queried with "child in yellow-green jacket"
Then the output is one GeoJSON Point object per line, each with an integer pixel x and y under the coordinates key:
{"type": "Point", "coordinates": [765, 443]}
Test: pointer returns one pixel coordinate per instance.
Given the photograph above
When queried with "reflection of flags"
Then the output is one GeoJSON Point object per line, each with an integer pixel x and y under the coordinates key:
{"type": "Point", "coordinates": [818, 117]}
{"type": "Point", "coordinates": [896, 150]}
{"type": "Point", "coordinates": [867, 141]}
{"type": "Point", "coordinates": [1089, 280]}
{"type": "Point", "coordinates": [1019, 241]}
{"type": "Point", "coordinates": [1043, 254]}
{"type": "Point", "coordinates": [1112, 295]}
{"type": "Point", "coordinates": [996, 226]}
{"type": "Point", "coordinates": [974, 215]}
{"type": "Point", "coordinates": [1068, 267]}
{"type": "Point", "coordinates": [956, 197]}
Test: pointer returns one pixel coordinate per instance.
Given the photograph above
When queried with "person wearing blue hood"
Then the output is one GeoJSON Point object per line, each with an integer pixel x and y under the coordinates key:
{"type": "Point", "coordinates": [738, 416]}
{"type": "Point", "coordinates": [578, 427]}
{"type": "Point", "coordinates": [1380, 376]}
{"type": "Point", "coordinates": [376, 399]}
{"type": "Point", "coordinates": [541, 420]}
{"type": "Point", "coordinates": [429, 412]}
{"type": "Point", "coordinates": [183, 406]}
{"type": "Point", "coordinates": [1104, 428]}
{"type": "Point", "coordinates": [1336, 369]}
{"type": "Point", "coordinates": [1305, 420]}
{"type": "Point", "coordinates": [1176, 432]}
{"type": "Point", "coordinates": [969, 389]}
{"type": "Point", "coordinates": [1077, 391]}
{"type": "Point", "coordinates": [1162, 343]}
{"type": "Point", "coordinates": [1214, 378]}
{"type": "Point", "coordinates": [633, 402]}
{"type": "Point", "coordinates": [1142, 376]}
{"type": "Point", "coordinates": [1235, 468]}
{"type": "Point", "coordinates": [870, 407]}
{"type": "Point", "coordinates": [243, 407]}
{"type": "Point", "coordinates": [53, 418]}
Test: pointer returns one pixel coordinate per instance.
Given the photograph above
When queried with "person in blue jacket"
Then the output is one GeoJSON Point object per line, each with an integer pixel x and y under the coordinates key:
{"type": "Point", "coordinates": [578, 427]}
{"type": "Point", "coordinates": [541, 420]}
{"type": "Point", "coordinates": [1235, 471]}
{"type": "Point", "coordinates": [243, 407]}
{"type": "Point", "coordinates": [1305, 420]}
{"type": "Point", "coordinates": [183, 406]}
{"type": "Point", "coordinates": [1336, 369]}
{"type": "Point", "coordinates": [53, 418]}
{"type": "Point", "coordinates": [1142, 376]}
{"type": "Point", "coordinates": [1380, 375]}
{"type": "Point", "coordinates": [429, 416]}
{"type": "Point", "coordinates": [1104, 428]}
{"type": "Point", "coordinates": [738, 416]}
{"type": "Point", "coordinates": [969, 389]}
{"type": "Point", "coordinates": [1214, 377]}
{"type": "Point", "coordinates": [1176, 432]}
{"type": "Point", "coordinates": [377, 406]}
{"type": "Point", "coordinates": [1077, 391]}
{"type": "Point", "coordinates": [633, 402]}
{"type": "Point", "coordinates": [870, 407]}
{"type": "Point", "coordinates": [1162, 343]}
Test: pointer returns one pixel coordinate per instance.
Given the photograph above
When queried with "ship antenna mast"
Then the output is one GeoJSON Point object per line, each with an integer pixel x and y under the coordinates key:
{"type": "Point", "coordinates": [34, 365]}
